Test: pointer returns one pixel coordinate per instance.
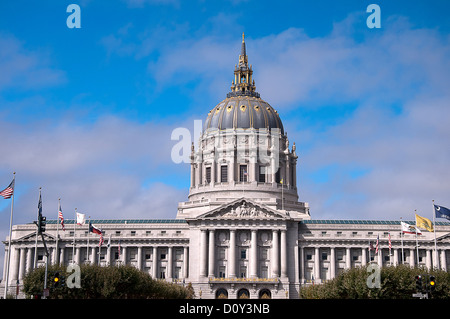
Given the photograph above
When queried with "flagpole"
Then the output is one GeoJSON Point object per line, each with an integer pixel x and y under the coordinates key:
{"type": "Point", "coordinates": [74, 228]}
{"type": "Point", "coordinates": [36, 242]}
{"type": "Point", "coordinates": [57, 233]}
{"type": "Point", "coordinates": [401, 237]}
{"type": "Point", "coordinates": [89, 233]}
{"type": "Point", "coordinates": [435, 243]}
{"type": "Point", "coordinates": [417, 244]}
{"type": "Point", "coordinates": [10, 233]}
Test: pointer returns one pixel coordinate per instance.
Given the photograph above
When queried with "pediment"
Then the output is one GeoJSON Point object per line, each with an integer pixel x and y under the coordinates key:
{"type": "Point", "coordinates": [32, 236]}
{"type": "Point", "coordinates": [243, 209]}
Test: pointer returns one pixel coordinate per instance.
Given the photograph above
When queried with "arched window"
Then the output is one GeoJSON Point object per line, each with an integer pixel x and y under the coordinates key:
{"type": "Point", "coordinates": [221, 293]}
{"type": "Point", "coordinates": [243, 294]}
{"type": "Point", "coordinates": [265, 294]}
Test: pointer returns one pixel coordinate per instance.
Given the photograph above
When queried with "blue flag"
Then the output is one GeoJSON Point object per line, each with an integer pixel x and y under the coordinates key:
{"type": "Point", "coordinates": [442, 212]}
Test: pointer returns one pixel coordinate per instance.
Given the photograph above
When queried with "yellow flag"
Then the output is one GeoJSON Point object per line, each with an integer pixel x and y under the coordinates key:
{"type": "Point", "coordinates": [281, 182]}
{"type": "Point", "coordinates": [424, 223]}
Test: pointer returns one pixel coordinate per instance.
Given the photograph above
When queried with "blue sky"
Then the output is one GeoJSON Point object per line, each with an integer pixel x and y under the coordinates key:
{"type": "Point", "coordinates": [87, 113]}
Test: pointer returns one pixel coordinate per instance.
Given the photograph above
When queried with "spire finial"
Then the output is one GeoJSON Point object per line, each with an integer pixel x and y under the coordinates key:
{"type": "Point", "coordinates": [243, 36]}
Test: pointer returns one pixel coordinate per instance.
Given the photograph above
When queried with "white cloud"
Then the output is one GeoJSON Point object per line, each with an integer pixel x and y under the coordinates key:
{"type": "Point", "coordinates": [24, 69]}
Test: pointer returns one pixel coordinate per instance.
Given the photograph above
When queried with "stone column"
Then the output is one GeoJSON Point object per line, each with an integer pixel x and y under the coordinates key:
{"type": "Point", "coordinates": [14, 266]}
{"type": "Point", "coordinates": [211, 253]}
{"type": "Point", "coordinates": [155, 263]}
{"type": "Point", "coordinates": [254, 254]}
{"type": "Point", "coordinates": [283, 253]}
{"type": "Point", "coordinates": [363, 256]}
{"type": "Point", "coordinates": [443, 262]}
{"type": "Point", "coordinates": [139, 258]}
{"type": "Point", "coordinates": [22, 262]}
{"type": "Point", "coordinates": [333, 262]}
{"type": "Point", "coordinates": [232, 255]}
{"type": "Point", "coordinates": [275, 252]}
{"type": "Point", "coordinates": [78, 254]}
{"type": "Point", "coordinates": [412, 260]}
{"type": "Point", "coordinates": [395, 257]}
{"type": "Point", "coordinates": [29, 259]}
{"type": "Point", "coordinates": [203, 253]}
{"type": "Point", "coordinates": [61, 256]}
{"type": "Point", "coordinates": [231, 171]}
{"type": "Point", "coordinates": [428, 261]}
{"type": "Point", "coordinates": [169, 262]}
{"type": "Point", "coordinates": [348, 260]}
{"type": "Point", "coordinates": [213, 172]}
{"type": "Point", "coordinates": [302, 265]}
{"type": "Point", "coordinates": [124, 255]}
{"type": "Point", "coordinates": [185, 262]}
{"type": "Point", "coordinates": [316, 265]}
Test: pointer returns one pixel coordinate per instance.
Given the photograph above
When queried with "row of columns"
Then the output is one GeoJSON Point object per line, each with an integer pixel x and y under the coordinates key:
{"type": "Point", "coordinates": [396, 259]}
{"type": "Point", "coordinates": [198, 172]}
{"type": "Point", "coordinates": [208, 254]}
{"type": "Point", "coordinates": [23, 259]}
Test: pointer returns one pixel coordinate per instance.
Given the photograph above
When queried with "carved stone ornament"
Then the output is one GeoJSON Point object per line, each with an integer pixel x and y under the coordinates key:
{"type": "Point", "coordinates": [243, 209]}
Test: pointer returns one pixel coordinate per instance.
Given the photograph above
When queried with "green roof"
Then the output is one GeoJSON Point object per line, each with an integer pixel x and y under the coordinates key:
{"type": "Point", "coordinates": [124, 221]}
{"type": "Point", "coordinates": [363, 222]}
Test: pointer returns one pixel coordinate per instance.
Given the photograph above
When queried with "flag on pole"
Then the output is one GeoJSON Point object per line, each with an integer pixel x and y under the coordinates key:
{"type": "Point", "coordinates": [94, 229]}
{"type": "Point", "coordinates": [100, 243]}
{"type": "Point", "coordinates": [424, 223]}
{"type": "Point", "coordinates": [80, 218]}
{"type": "Point", "coordinates": [371, 246]}
{"type": "Point", "coordinates": [8, 191]}
{"type": "Point", "coordinates": [442, 212]}
{"type": "Point", "coordinates": [410, 229]}
{"type": "Point", "coordinates": [377, 244]}
{"type": "Point", "coordinates": [60, 216]}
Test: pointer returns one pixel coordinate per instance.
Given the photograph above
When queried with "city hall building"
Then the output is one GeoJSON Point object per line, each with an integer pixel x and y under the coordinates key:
{"type": "Point", "coordinates": [243, 232]}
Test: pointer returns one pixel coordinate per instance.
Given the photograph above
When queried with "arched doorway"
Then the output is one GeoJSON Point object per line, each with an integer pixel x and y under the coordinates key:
{"type": "Point", "coordinates": [221, 293]}
{"type": "Point", "coordinates": [243, 294]}
{"type": "Point", "coordinates": [265, 294]}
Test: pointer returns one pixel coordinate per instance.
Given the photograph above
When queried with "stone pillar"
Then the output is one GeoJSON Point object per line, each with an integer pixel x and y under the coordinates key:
{"type": "Point", "coordinates": [412, 260]}
{"type": "Point", "coordinates": [443, 261]}
{"type": "Point", "coordinates": [124, 255]}
{"type": "Point", "coordinates": [333, 262]}
{"type": "Point", "coordinates": [363, 256]}
{"type": "Point", "coordinates": [316, 265]}
{"type": "Point", "coordinates": [428, 261]}
{"type": "Point", "coordinates": [203, 253]}
{"type": "Point", "coordinates": [139, 258]}
{"type": "Point", "coordinates": [213, 172]}
{"type": "Point", "coordinates": [254, 254]}
{"type": "Point", "coordinates": [22, 262]}
{"type": "Point", "coordinates": [231, 171]}
{"type": "Point", "coordinates": [395, 257]}
{"type": "Point", "coordinates": [275, 253]}
{"type": "Point", "coordinates": [169, 262]}
{"type": "Point", "coordinates": [185, 262]}
{"type": "Point", "coordinates": [155, 263]}
{"type": "Point", "coordinates": [348, 260]}
{"type": "Point", "coordinates": [14, 266]}
{"type": "Point", "coordinates": [29, 259]}
{"type": "Point", "coordinates": [232, 255]}
{"type": "Point", "coordinates": [302, 265]}
{"type": "Point", "coordinates": [61, 256]}
{"type": "Point", "coordinates": [283, 253]}
{"type": "Point", "coordinates": [211, 252]}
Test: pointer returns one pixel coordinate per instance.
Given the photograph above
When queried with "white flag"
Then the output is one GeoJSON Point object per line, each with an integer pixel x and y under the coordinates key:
{"type": "Point", "coordinates": [410, 229]}
{"type": "Point", "coordinates": [80, 219]}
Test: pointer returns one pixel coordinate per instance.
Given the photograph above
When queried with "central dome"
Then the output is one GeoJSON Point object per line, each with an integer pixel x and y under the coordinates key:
{"type": "Point", "coordinates": [243, 108]}
{"type": "Point", "coordinates": [243, 112]}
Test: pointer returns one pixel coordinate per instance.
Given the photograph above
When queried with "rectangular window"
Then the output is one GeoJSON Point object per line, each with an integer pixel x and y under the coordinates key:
{"type": "Point", "coordinates": [208, 174]}
{"type": "Point", "coordinates": [243, 254]}
{"type": "Point", "coordinates": [243, 173]}
{"type": "Point", "coordinates": [264, 272]}
{"type": "Point", "coordinates": [224, 173]}
{"type": "Point", "coordinates": [162, 274]}
{"type": "Point", "coordinates": [262, 174]}
{"type": "Point", "coordinates": [243, 272]}
{"type": "Point", "coordinates": [324, 256]}
{"type": "Point", "coordinates": [222, 272]}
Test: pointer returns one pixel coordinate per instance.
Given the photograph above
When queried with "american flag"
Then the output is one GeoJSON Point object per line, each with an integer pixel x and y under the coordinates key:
{"type": "Point", "coordinates": [8, 191]}
{"type": "Point", "coordinates": [60, 216]}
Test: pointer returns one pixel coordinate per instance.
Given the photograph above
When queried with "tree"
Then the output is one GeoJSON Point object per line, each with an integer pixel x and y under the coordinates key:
{"type": "Point", "coordinates": [122, 282]}
{"type": "Point", "coordinates": [397, 282]}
